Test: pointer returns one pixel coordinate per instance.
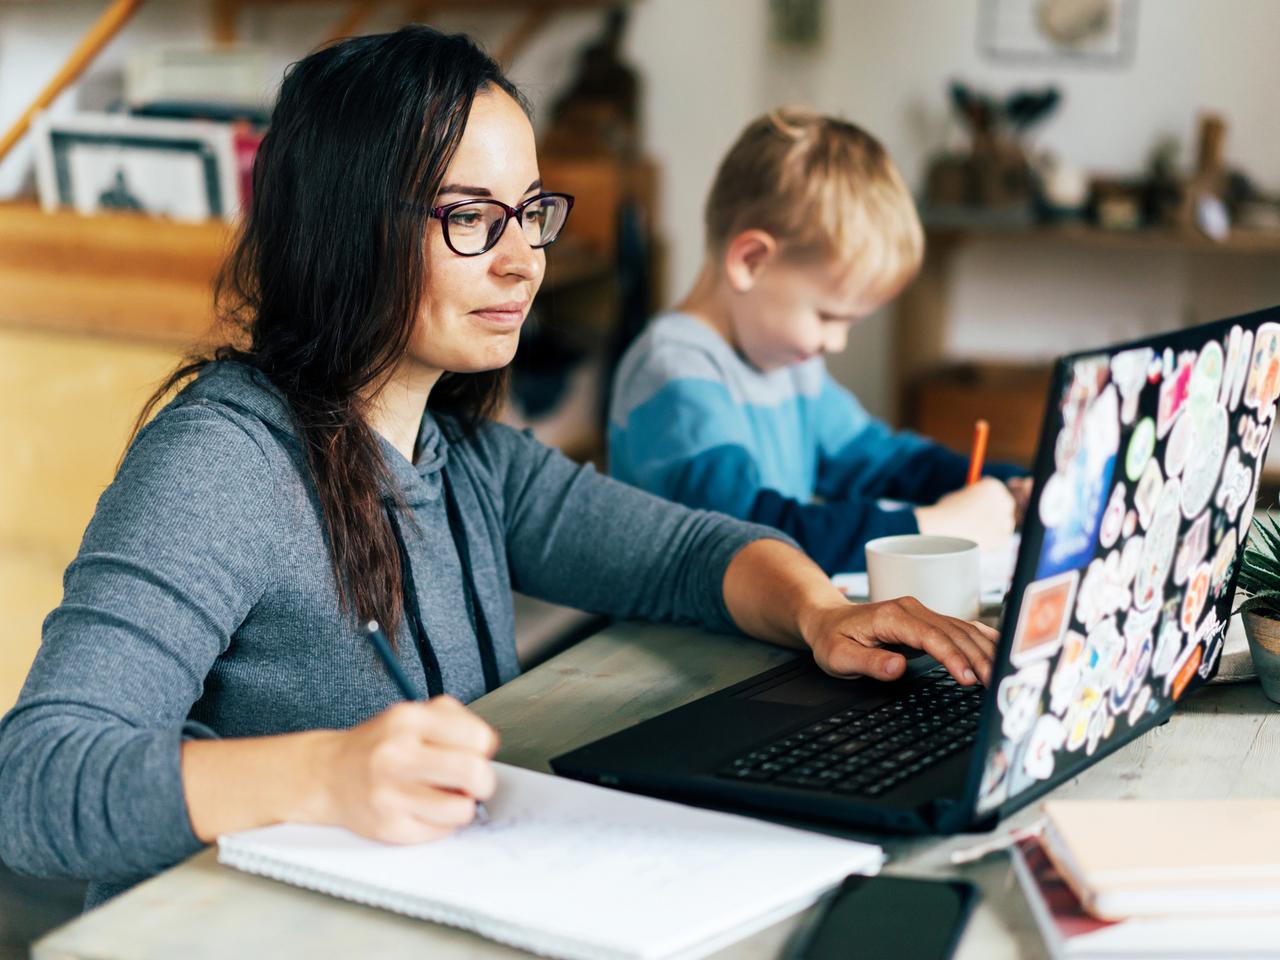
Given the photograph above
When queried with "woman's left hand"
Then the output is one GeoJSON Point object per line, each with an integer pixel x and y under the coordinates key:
{"type": "Point", "coordinates": [848, 639]}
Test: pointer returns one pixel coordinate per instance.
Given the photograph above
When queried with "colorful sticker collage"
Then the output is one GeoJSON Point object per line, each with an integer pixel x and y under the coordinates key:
{"type": "Point", "coordinates": [1141, 519]}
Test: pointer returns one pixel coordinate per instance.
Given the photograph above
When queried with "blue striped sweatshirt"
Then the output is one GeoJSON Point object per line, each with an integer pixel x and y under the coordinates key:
{"type": "Point", "coordinates": [692, 421]}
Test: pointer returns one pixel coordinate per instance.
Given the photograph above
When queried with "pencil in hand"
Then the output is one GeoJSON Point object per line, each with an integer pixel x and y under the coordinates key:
{"type": "Point", "coordinates": [388, 658]}
{"type": "Point", "coordinates": [980, 430]}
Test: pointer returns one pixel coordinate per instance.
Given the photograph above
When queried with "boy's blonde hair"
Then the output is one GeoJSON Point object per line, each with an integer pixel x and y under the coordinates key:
{"type": "Point", "coordinates": [825, 189]}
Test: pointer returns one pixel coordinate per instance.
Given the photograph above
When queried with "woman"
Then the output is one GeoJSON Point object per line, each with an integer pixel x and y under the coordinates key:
{"type": "Point", "coordinates": [206, 671]}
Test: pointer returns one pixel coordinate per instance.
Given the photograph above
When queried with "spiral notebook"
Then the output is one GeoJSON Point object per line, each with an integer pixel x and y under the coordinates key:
{"type": "Point", "coordinates": [567, 869]}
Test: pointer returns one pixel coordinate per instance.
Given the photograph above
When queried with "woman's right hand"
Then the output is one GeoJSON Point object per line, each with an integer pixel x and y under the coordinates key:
{"type": "Point", "coordinates": [412, 773]}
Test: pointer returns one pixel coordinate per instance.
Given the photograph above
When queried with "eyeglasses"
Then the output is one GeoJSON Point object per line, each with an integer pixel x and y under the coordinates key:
{"type": "Point", "coordinates": [472, 227]}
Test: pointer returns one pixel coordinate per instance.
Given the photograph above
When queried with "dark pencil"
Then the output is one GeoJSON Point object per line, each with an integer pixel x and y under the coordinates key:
{"type": "Point", "coordinates": [389, 660]}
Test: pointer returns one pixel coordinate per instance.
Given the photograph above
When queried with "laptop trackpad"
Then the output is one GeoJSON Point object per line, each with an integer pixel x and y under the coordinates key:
{"type": "Point", "coordinates": [809, 689]}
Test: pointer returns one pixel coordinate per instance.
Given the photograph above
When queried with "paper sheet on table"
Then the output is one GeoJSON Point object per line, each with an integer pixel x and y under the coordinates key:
{"type": "Point", "coordinates": [568, 869]}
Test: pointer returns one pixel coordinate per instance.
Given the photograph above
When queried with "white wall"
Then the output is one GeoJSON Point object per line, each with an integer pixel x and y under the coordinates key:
{"type": "Point", "coordinates": [709, 66]}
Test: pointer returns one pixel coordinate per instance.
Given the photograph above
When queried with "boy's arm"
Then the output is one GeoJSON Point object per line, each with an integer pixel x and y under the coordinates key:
{"type": "Point", "coordinates": [690, 443]}
{"type": "Point", "coordinates": [860, 456]}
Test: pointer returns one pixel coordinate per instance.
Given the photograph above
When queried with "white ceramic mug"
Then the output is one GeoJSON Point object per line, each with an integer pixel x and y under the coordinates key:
{"type": "Point", "coordinates": [943, 573]}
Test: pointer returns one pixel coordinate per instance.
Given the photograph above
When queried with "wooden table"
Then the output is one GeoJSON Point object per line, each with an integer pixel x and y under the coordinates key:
{"type": "Point", "coordinates": [1224, 742]}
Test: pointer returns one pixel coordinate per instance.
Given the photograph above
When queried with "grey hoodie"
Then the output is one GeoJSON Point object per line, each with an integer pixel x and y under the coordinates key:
{"type": "Point", "coordinates": [202, 604]}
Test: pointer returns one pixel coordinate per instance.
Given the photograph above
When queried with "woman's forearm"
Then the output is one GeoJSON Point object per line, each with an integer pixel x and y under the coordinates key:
{"type": "Point", "coordinates": [239, 784]}
{"type": "Point", "coordinates": [771, 588]}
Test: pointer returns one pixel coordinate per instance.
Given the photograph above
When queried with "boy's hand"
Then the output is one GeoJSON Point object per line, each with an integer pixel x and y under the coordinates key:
{"type": "Point", "coordinates": [847, 639]}
{"type": "Point", "coordinates": [1020, 488]}
{"type": "Point", "coordinates": [983, 512]}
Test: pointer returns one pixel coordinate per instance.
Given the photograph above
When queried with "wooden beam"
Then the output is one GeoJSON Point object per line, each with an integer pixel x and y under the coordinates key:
{"type": "Point", "coordinates": [350, 23]}
{"type": "Point", "coordinates": [226, 22]}
{"type": "Point", "coordinates": [516, 41]}
{"type": "Point", "coordinates": [99, 35]}
{"type": "Point", "coordinates": [421, 11]}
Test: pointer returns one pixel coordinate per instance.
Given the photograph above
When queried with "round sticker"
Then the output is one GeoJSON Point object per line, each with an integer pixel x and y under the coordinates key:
{"type": "Point", "coordinates": [1206, 378]}
{"type": "Point", "coordinates": [1054, 501]}
{"type": "Point", "coordinates": [1202, 470]}
{"type": "Point", "coordinates": [1112, 518]}
{"type": "Point", "coordinates": [1141, 445]}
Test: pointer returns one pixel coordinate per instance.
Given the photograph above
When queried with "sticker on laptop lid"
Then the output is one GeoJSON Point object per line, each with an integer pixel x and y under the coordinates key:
{"type": "Point", "coordinates": [1047, 738]}
{"type": "Point", "coordinates": [1206, 376]}
{"type": "Point", "coordinates": [1178, 447]}
{"type": "Point", "coordinates": [1194, 599]}
{"type": "Point", "coordinates": [1173, 391]}
{"type": "Point", "coordinates": [1129, 373]}
{"type": "Point", "coordinates": [1131, 674]}
{"type": "Point", "coordinates": [994, 787]}
{"type": "Point", "coordinates": [1112, 518]}
{"type": "Point", "coordinates": [1044, 617]}
{"type": "Point", "coordinates": [1147, 494]}
{"type": "Point", "coordinates": [1139, 706]}
{"type": "Point", "coordinates": [1194, 547]}
{"type": "Point", "coordinates": [1236, 369]}
{"type": "Point", "coordinates": [1066, 673]}
{"type": "Point", "coordinates": [1213, 634]}
{"type": "Point", "coordinates": [1142, 443]}
{"type": "Point", "coordinates": [1076, 496]}
{"type": "Point", "coordinates": [1263, 385]}
{"type": "Point", "coordinates": [1175, 683]}
{"type": "Point", "coordinates": [1080, 713]}
{"type": "Point", "coordinates": [1158, 547]}
{"type": "Point", "coordinates": [1097, 726]}
{"type": "Point", "coordinates": [1018, 699]}
{"type": "Point", "coordinates": [1237, 479]}
{"type": "Point", "coordinates": [1209, 441]}
{"type": "Point", "coordinates": [1169, 639]}
{"type": "Point", "coordinates": [1223, 564]}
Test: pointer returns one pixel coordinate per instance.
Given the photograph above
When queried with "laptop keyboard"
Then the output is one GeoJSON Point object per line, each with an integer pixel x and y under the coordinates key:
{"type": "Point", "coordinates": [865, 753]}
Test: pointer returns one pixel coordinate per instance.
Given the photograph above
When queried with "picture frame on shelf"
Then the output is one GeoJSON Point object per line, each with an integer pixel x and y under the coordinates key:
{"type": "Point", "coordinates": [181, 169]}
{"type": "Point", "coordinates": [1089, 33]}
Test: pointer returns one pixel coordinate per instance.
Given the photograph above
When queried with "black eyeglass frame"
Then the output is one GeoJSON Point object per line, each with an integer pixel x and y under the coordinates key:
{"type": "Point", "coordinates": [442, 214]}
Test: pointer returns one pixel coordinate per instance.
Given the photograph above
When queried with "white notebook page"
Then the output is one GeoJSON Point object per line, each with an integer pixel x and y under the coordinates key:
{"type": "Point", "coordinates": [574, 870]}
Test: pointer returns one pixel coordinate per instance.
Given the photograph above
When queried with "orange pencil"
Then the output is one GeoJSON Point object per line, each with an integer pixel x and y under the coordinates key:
{"type": "Point", "coordinates": [980, 430]}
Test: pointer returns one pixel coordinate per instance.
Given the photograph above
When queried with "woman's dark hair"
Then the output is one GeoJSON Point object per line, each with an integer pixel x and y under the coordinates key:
{"type": "Point", "coordinates": [323, 287]}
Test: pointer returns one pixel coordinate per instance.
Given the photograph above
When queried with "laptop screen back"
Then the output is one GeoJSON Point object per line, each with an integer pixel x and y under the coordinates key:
{"type": "Point", "coordinates": [1146, 479]}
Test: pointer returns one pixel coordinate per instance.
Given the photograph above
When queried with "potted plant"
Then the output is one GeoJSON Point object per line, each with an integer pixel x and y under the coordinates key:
{"type": "Point", "coordinates": [1259, 580]}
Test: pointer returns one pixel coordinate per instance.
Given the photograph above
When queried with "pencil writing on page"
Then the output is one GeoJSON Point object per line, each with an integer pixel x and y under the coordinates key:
{"type": "Point", "coordinates": [980, 430]}
{"type": "Point", "coordinates": [380, 644]}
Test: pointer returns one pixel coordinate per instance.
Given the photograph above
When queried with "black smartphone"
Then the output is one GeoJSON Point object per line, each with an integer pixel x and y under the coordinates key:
{"type": "Point", "coordinates": [885, 916]}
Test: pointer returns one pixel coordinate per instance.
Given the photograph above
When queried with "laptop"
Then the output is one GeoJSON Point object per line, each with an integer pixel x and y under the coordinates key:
{"type": "Point", "coordinates": [1146, 477]}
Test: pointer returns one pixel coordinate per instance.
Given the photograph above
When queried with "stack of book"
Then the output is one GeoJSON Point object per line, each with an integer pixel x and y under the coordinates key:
{"type": "Point", "coordinates": [1184, 879]}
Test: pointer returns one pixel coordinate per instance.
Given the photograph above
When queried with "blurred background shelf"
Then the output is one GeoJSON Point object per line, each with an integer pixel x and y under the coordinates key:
{"type": "Point", "coordinates": [941, 390]}
{"type": "Point", "coordinates": [111, 275]}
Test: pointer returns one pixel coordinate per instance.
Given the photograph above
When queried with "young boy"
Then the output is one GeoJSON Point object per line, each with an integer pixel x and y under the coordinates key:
{"type": "Point", "coordinates": [726, 403]}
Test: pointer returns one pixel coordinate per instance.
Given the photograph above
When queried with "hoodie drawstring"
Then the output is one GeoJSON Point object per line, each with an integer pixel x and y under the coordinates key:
{"type": "Point", "coordinates": [475, 613]}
